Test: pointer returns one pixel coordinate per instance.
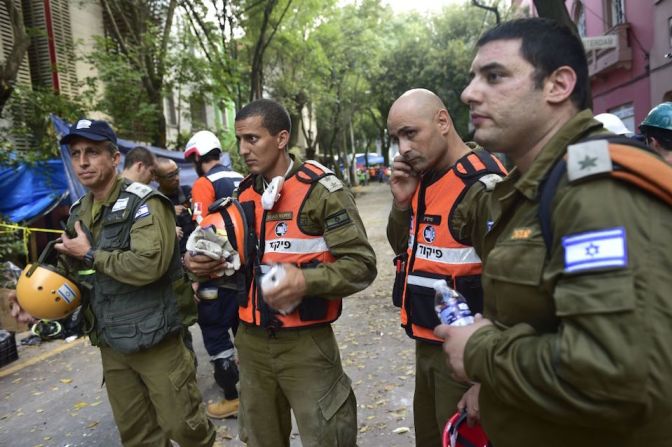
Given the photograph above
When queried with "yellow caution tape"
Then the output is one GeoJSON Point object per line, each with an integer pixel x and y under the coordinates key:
{"type": "Point", "coordinates": [11, 228]}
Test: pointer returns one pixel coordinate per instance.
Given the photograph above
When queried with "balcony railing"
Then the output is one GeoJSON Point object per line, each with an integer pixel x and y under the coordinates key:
{"type": "Point", "coordinates": [606, 60]}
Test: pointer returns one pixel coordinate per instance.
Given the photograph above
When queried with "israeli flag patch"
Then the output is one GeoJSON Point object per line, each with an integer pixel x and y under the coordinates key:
{"type": "Point", "coordinates": [141, 212]}
{"type": "Point", "coordinates": [595, 250]}
{"type": "Point", "coordinates": [66, 293]}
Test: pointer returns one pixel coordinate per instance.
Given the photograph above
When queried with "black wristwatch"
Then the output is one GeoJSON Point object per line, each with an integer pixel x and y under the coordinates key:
{"type": "Point", "coordinates": [89, 258]}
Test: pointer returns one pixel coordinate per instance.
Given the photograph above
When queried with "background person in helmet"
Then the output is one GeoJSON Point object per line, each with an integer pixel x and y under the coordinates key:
{"type": "Point", "coordinates": [657, 129]}
{"type": "Point", "coordinates": [291, 361]}
{"type": "Point", "coordinates": [613, 124]}
{"type": "Point", "coordinates": [215, 180]}
{"type": "Point", "coordinates": [149, 374]}
{"type": "Point", "coordinates": [217, 307]}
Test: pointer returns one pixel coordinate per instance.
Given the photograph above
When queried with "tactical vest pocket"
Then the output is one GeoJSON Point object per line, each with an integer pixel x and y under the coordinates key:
{"type": "Point", "coordinates": [399, 262]}
{"type": "Point", "coordinates": [420, 298]}
{"type": "Point", "coordinates": [471, 289]}
{"type": "Point", "coordinates": [134, 332]}
{"type": "Point", "coordinates": [112, 236]}
{"type": "Point", "coordinates": [313, 308]}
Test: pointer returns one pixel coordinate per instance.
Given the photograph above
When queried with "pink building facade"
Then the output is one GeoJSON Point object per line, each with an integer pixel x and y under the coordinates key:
{"type": "Point", "coordinates": [629, 72]}
{"type": "Point", "coordinates": [661, 53]}
{"type": "Point", "coordinates": [620, 76]}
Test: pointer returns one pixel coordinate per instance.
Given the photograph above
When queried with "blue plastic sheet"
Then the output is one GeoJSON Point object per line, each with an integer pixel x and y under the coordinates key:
{"type": "Point", "coordinates": [187, 172]}
{"type": "Point", "coordinates": [27, 192]}
{"type": "Point", "coordinates": [374, 159]}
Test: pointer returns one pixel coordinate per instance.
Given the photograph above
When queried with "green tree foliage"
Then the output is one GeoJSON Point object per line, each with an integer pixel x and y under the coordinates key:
{"type": "Point", "coordinates": [123, 98]}
{"type": "Point", "coordinates": [31, 127]}
{"type": "Point", "coordinates": [140, 32]}
{"type": "Point", "coordinates": [432, 53]}
{"type": "Point", "coordinates": [9, 66]}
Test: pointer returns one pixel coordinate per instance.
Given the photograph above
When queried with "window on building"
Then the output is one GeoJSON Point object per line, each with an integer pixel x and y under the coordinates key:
{"type": "Point", "coordinates": [580, 18]}
{"type": "Point", "coordinates": [171, 114]}
{"type": "Point", "coordinates": [614, 12]}
{"type": "Point", "coordinates": [198, 113]}
{"type": "Point", "coordinates": [626, 113]}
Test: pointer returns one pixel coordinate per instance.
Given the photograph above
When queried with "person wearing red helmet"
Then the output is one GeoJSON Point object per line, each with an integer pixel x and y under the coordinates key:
{"type": "Point", "coordinates": [217, 308]}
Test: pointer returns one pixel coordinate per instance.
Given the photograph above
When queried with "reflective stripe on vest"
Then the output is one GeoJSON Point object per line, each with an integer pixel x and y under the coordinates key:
{"type": "Point", "coordinates": [433, 252]}
{"type": "Point", "coordinates": [225, 174]}
{"type": "Point", "coordinates": [446, 255]}
{"type": "Point", "coordinates": [285, 242]}
{"type": "Point", "coordinates": [296, 246]}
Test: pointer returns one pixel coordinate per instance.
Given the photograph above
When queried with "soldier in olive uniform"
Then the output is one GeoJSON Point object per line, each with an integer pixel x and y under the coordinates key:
{"type": "Point", "coordinates": [574, 349]}
{"type": "Point", "coordinates": [420, 230]}
{"type": "Point", "coordinates": [289, 358]}
{"type": "Point", "coordinates": [149, 374]}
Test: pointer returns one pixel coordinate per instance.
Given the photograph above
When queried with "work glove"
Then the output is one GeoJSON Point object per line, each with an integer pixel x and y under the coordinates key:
{"type": "Point", "coordinates": [205, 241]}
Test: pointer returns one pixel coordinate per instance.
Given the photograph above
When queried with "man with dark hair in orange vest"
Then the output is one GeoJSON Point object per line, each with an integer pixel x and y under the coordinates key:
{"type": "Point", "coordinates": [305, 220]}
{"type": "Point", "coordinates": [432, 174]}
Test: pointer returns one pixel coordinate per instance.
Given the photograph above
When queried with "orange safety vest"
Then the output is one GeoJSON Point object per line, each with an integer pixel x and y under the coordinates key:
{"type": "Point", "coordinates": [281, 240]}
{"type": "Point", "coordinates": [434, 253]}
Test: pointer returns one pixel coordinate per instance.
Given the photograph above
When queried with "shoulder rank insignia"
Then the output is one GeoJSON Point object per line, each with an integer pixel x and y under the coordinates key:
{"type": "Point", "coordinates": [139, 189]}
{"type": "Point", "coordinates": [331, 182]}
{"type": "Point", "coordinates": [588, 158]}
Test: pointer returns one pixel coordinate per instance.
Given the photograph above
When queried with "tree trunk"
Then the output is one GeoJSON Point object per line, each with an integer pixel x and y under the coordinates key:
{"type": "Point", "coordinates": [10, 69]}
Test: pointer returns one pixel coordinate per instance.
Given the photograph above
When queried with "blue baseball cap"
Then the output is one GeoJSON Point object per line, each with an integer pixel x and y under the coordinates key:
{"type": "Point", "coordinates": [94, 130]}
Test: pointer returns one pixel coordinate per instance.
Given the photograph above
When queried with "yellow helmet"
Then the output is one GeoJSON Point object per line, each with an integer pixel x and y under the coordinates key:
{"type": "Point", "coordinates": [46, 294]}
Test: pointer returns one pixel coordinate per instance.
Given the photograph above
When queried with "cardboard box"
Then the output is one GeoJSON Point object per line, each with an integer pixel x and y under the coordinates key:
{"type": "Point", "coordinates": [8, 322]}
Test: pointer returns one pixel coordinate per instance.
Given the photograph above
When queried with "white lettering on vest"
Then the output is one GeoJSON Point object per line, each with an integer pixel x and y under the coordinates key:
{"type": "Point", "coordinates": [287, 245]}
{"type": "Point", "coordinates": [465, 255]}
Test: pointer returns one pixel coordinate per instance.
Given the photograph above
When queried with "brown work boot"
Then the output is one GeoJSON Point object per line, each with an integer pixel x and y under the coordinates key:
{"type": "Point", "coordinates": [223, 409]}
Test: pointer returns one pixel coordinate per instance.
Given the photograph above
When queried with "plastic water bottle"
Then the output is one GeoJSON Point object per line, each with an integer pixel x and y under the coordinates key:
{"type": "Point", "coordinates": [450, 306]}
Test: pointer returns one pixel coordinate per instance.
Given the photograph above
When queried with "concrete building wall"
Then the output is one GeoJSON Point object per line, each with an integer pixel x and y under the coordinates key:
{"type": "Point", "coordinates": [661, 53]}
{"type": "Point", "coordinates": [86, 18]}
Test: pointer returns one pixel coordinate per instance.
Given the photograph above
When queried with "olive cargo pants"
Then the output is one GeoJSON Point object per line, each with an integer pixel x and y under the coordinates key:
{"type": "Point", "coordinates": [154, 396]}
{"type": "Point", "coordinates": [436, 394]}
{"type": "Point", "coordinates": [297, 369]}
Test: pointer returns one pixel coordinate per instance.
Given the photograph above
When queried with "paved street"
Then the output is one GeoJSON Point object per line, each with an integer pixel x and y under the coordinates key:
{"type": "Point", "coordinates": [52, 396]}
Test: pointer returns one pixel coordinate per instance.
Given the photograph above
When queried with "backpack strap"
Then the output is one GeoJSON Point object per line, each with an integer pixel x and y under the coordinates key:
{"type": "Point", "coordinates": [617, 157]}
{"type": "Point", "coordinates": [547, 190]}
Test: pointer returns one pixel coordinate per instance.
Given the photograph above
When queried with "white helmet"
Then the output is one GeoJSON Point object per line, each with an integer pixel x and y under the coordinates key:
{"type": "Point", "coordinates": [612, 123]}
{"type": "Point", "coordinates": [202, 143]}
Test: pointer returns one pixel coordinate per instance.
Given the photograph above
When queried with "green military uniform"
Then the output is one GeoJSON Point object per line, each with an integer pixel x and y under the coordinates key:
{"type": "Point", "coordinates": [436, 393]}
{"type": "Point", "coordinates": [151, 387]}
{"type": "Point", "coordinates": [300, 368]}
{"type": "Point", "coordinates": [576, 356]}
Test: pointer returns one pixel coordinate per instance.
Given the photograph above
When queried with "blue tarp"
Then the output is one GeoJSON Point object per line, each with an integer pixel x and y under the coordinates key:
{"type": "Point", "coordinates": [187, 172]}
{"type": "Point", "coordinates": [374, 159]}
{"type": "Point", "coordinates": [28, 192]}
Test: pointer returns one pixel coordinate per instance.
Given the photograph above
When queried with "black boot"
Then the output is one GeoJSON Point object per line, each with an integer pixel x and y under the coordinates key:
{"type": "Point", "coordinates": [226, 376]}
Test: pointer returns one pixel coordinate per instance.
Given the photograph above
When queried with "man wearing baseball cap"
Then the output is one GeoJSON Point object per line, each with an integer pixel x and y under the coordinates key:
{"type": "Point", "coordinates": [131, 312]}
